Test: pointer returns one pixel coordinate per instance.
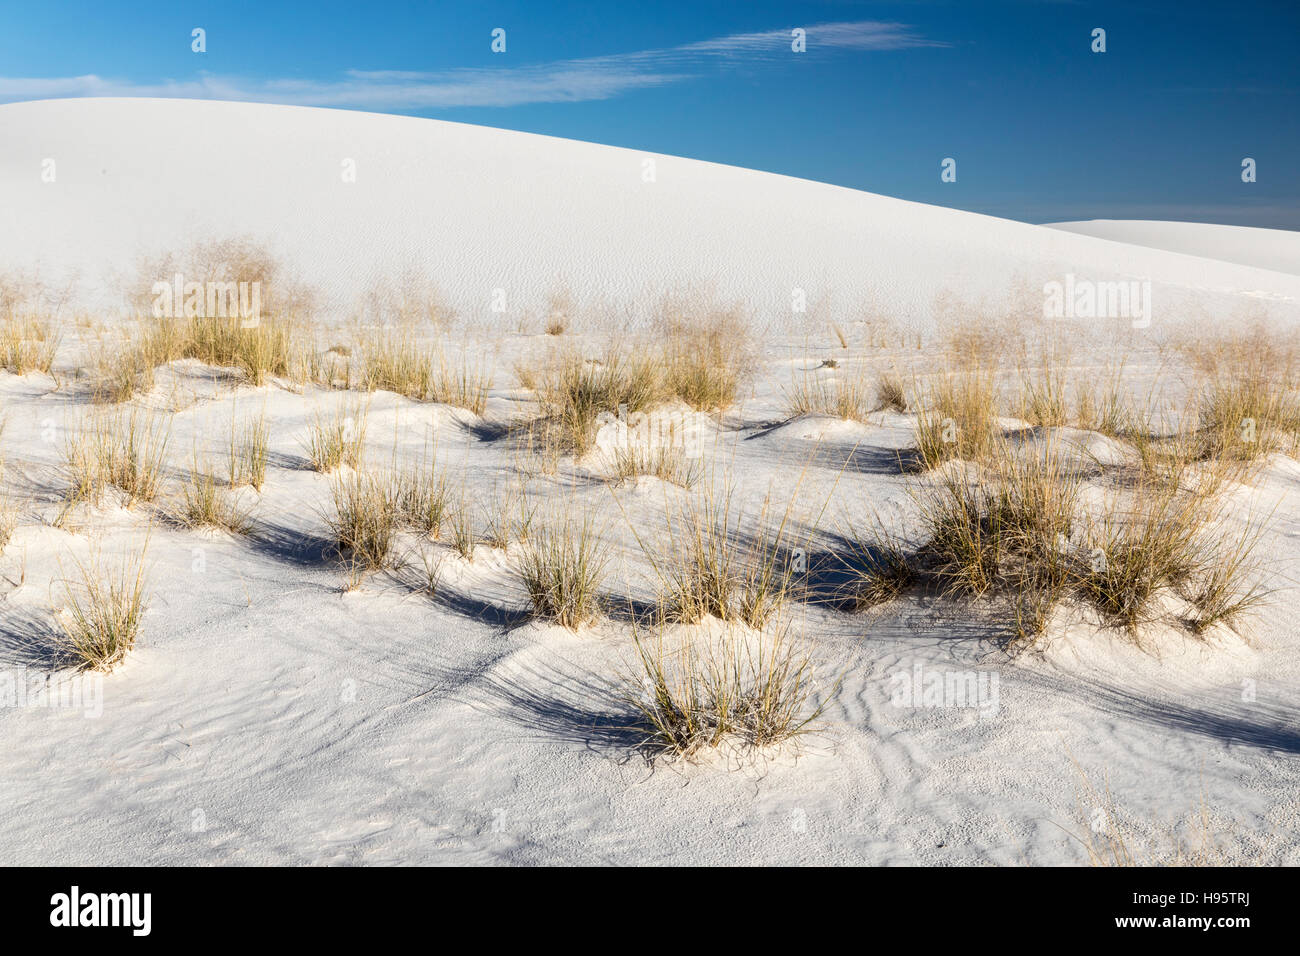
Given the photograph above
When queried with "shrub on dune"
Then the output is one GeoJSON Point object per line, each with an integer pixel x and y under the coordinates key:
{"type": "Point", "coordinates": [741, 689]}
{"type": "Point", "coordinates": [103, 609]}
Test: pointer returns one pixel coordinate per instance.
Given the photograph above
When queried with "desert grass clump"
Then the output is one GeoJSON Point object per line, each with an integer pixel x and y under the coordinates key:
{"type": "Point", "coordinates": [880, 570]}
{"type": "Point", "coordinates": [248, 450]}
{"type": "Point", "coordinates": [364, 521]}
{"type": "Point", "coordinates": [393, 361]}
{"type": "Point", "coordinates": [125, 450]}
{"type": "Point", "coordinates": [420, 497]}
{"type": "Point", "coordinates": [259, 351]}
{"type": "Point", "coordinates": [956, 419]}
{"type": "Point", "coordinates": [1228, 584]}
{"type": "Point", "coordinates": [743, 689]}
{"type": "Point", "coordinates": [101, 618]}
{"type": "Point", "coordinates": [890, 394]}
{"type": "Point", "coordinates": [510, 517]}
{"type": "Point", "coordinates": [206, 503]}
{"type": "Point", "coordinates": [849, 398]}
{"type": "Point", "coordinates": [1042, 401]}
{"type": "Point", "coordinates": [707, 355]}
{"type": "Point", "coordinates": [701, 575]}
{"type": "Point", "coordinates": [1010, 528]}
{"type": "Point", "coordinates": [576, 392]}
{"type": "Point", "coordinates": [27, 344]}
{"type": "Point", "coordinates": [461, 386]}
{"type": "Point", "coordinates": [708, 567]}
{"type": "Point", "coordinates": [1246, 419]}
{"type": "Point", "coordinates": [665, 459]}
{"type": "Point", "coordinates": [122, 371]}
{"type": "Point", "coordinates": [337, 440]}
{"type": "Point", "coordinates": [1134, 554]}
{"type": "Point", "coordinates": [464, 537]}
{"type": "Point", "coordinates": [1101, 408]}
{"type": "Point", "coordinates": [561, 568]}
{"type": "Point", "coordinates": [8, 517]}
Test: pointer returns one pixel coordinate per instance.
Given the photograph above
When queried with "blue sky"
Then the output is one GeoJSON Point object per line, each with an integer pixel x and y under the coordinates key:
{"type": "Point", "coordinates": [1041, 127]}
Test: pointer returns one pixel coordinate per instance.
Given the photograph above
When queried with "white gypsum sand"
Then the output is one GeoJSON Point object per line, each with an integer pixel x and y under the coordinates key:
{"type": "Point", "coordinates": [283, 706]}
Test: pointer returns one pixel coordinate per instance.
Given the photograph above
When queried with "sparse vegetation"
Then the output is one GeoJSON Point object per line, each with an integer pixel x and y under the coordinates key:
{"type": "Point", "coordinates": [125, 450]}
{"type": "Point", "coordinates": [103, 609]}
{"type": "Point", "coordinates": [28, 343]}
{"type": "Point", "coordinates": [338, 440]}
{"type": "Point", "coordinates": [364, 521]}
{"type": "Point", "coordinates": [746, 689]}
{"type": "Point", "coordinates": [956, 419]}
{"type": "Point", "coordinates": [248, 447]}
{"type": "Point", "coordinates": [208, 504]}
{"type": "Point", "coordinates": [561, 568]}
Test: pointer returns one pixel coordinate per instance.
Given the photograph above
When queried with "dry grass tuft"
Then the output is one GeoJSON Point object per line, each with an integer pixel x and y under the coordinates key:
{"type": "Point", "coordinates": [461, 386]}
{"type": "Point", "coordinates": [575, 393]}
{"type": "Point", "coordinates": [1042, 400]}
{"type": "Point", "coordinates": [248, 447]}
{"type": "Point", "coordinates": [339, 440]}
{"type": "Point", "coordinates": [103, 609]}
{"type": "Point", "coordinates": [27, 344]}
{"type": "Point", "coordinates": [957, 419]}
{"type": "Point", "coordinates": [665, 460]}
{"type": "Point", "coordinates": [125, 450]}
{"type": "Point", "coordinates": [561, 568]}
{"type": "Point", "coordinates": [393, 361]}
{"type": "Point", "coordinates": [847, 398]}
{"type": "Point", "coordinates": [749, 690]}
{"type": "Point", "coordinates": [208, 504]}
{"type": "Point", "coordinates": [890, 393]}
{"type": "Point", "coordinates": [708, 354]}
{"type": "Point", "coordinates": [364, 522]}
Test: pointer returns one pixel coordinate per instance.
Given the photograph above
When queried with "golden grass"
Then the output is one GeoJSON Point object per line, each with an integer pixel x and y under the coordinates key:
{"type": "Point", "coordinates": [1007, 527]}
{"type": "Point", "coordinates": [103, 609]}
{"type": "Point", "coordinates": [707, 355]}
{"type": "Point", "coordinates": [574, 393]}
{"type": "Point", "coordinates": [890, 393]}
{"type": "Point", "coordinates": [28, 343]}
{"type": "Point", "coordinates": [124, 449]}
{"type": "Point", "coordinates": [743, 689]}
{"type": "Point", "coordinates": [561, 568]}
{"type": "Point", "coordinates": [462, 386]}
{"type": "Point", "coordinates": [844, 397]}
{"type": "Point", "coordinates": [464, 538]}
{"type": "Point", "coordinates": [956, 418]}
{"type": "Point", "coordinates": [364, 521]}
{"type": "Point", "coordinates": [708, 564]}
{"type": "Point", "coordinates": [338, 440]}
{"type": "Point", "coordinates": [248, 451]}
{"type": "Point", "coordinates": [206, 503]}
{"type": "Point", "coordinates": [393, 361]}
{"type": "Point", "coordinates": [420, 496]}
{"type": "Point", "coordinates": [1042, 400]}
{"type": "Point", "coordinates": [665, 460]}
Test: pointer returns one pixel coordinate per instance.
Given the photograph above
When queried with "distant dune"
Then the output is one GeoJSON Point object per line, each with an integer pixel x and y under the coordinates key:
{"type": "Point", "coordinates": [1276, 249]}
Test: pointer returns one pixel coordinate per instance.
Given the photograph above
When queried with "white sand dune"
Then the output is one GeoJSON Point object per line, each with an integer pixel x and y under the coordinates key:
{"type": "Point", "coordinates": [480, 209]}
{"type": "Point", "coordinates": [1275, 249]}
{"type": "Point", "coordinates": [267, 717]}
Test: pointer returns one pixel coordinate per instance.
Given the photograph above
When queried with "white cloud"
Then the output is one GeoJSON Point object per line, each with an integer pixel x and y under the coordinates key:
{"type": "Point", "coordinates": [563, 81]}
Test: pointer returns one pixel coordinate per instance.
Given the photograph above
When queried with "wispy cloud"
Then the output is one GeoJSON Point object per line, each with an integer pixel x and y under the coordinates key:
{"type": "Point", "coordinates": [561, 81]}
